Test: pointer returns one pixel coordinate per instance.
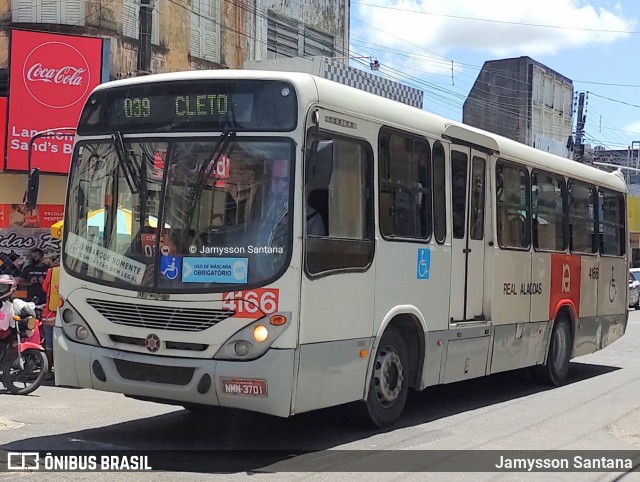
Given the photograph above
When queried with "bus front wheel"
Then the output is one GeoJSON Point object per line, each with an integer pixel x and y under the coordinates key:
{"type": "Point", "coordinates": [555, 371]}
{"type": "Point", "coordinates": [389, 384]}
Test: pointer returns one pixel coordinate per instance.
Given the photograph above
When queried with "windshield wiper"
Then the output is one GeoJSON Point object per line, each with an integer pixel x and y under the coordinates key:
{"type": "Point", "coordinates": [207, 168]}
{"type": "Point", "coordinates": [203, 175]}
{"type": "Point", "coordinates": [131, 174]}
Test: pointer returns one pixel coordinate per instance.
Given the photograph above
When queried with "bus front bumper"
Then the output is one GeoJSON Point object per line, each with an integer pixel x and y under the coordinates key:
{"type": "Point", "coordinates": [263, 385]}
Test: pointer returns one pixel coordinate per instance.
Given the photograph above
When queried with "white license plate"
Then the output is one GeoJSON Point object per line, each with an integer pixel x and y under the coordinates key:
{"type": "Point", "coordinates": [244, 386]}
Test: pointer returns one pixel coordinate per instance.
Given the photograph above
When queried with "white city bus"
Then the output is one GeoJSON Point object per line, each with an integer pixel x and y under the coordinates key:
{"type": "Point", "coordinates": [281, 243]}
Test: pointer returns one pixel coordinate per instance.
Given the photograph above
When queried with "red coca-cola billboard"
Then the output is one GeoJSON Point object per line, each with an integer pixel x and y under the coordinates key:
{"type": "Point", "coordinates": [50, 79]}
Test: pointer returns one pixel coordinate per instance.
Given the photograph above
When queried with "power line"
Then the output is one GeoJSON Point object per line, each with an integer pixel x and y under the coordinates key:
{"type": "Point", "coordinates": [615, 100]}
{"type": "Point", "coordinates": [477, 19]}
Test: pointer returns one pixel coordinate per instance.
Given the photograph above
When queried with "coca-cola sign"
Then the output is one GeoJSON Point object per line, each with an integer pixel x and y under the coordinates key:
{"type": "Point", "coordinates": [51, 76]}
{"type": "Point", "coordinates": [56, 64]}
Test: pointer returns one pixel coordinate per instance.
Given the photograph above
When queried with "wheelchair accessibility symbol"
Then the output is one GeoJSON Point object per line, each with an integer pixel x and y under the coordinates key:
{"type": "Point", "coordinates": [170, 266]}
{"type": "Point", "coordinates": [423, 264]}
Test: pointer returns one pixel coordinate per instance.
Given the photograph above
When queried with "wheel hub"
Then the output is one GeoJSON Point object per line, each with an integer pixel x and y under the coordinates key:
{"type": "Point", "coordinates": [388, 376]}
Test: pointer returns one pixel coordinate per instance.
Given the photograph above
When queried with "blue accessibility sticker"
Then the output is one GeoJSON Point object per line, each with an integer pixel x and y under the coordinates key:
{"type": "Point", "coordinates": [215, 270]}
{"type": "Point", "coordinates": [170, 266]}
{"type": "Point", "coordinates": [423, 263]}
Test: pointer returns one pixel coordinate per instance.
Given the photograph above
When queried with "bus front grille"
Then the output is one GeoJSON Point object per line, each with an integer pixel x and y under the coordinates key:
{"type": "Point", "coordinates": [143, 372]}
{"type": "Point", "coordinates": [159, 317]}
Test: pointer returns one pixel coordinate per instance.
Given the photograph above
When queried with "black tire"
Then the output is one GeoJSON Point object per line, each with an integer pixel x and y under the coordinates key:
{"type": "Point", "coordinates": [389, 384]}
{"type": "Point", "coordinates": [555, 371]}
{"type": "Point", "coordinates": [637, 305]}
{"type": "Point", "coordinates": [23, 382]}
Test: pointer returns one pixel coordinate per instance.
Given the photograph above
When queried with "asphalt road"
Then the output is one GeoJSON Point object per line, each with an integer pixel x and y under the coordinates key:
{"type": "Point", "coordinates": [598, 410]}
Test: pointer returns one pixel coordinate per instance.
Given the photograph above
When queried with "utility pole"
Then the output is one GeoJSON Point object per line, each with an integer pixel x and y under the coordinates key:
{"type": "Point", "coordinates": [578, 153]}
{"type": "Point", "coordinates": [635, 152]}
{"type": "Point", "coordinates": [144, 37]}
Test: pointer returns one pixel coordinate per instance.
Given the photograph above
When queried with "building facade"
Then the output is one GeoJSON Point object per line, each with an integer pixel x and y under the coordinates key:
{"type": "Point", "coordinates": [523, 100]}
{"type": "Point", "coordinates": [184, 35]}
{"type": "Point", "coordinates": [189, 34]}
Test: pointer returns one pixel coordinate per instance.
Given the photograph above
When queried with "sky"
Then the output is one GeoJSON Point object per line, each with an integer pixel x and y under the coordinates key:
{"type": "Point", "coordinates": [439, 46]}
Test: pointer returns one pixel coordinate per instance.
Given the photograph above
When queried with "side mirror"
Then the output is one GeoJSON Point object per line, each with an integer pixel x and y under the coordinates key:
{"type": "Point", "coordinates": [33, 185]}
{"type": "Point", "coordinates": [320, 165]}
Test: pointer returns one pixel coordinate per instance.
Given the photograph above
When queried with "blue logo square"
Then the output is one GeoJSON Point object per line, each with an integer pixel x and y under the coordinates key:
{"type": "Point", "coordinates": [423, 263]}
{"type": "Point", "coordinates": [170, 267]}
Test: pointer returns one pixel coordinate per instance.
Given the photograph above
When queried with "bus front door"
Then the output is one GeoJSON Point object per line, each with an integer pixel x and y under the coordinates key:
{"type": "Point", "coordinates": [468, 198]}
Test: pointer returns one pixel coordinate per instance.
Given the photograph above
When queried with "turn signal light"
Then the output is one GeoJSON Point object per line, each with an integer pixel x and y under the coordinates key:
{"type": "Point", "coordinates": [278, 320]}
{"type": "Point", "coordinates": [60, 302]}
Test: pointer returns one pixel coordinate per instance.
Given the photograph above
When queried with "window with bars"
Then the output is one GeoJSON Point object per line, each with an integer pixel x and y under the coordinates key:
{"type": "Point", "coordinates": [67, 12]}
{"type": "Point", "coordinates": [317, 42]}
{"type": "Point", "coordinates": [204, 36]}
{"type": "Point", "coordinates": [287, 37]}
{"type": "Point", "coordinates": [131, 20]}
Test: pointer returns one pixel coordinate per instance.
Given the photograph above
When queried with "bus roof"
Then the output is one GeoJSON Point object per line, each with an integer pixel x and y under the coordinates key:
{"type": "Point", "coordinates": [401, 115]}
{"type": "Point", "coordinates": [395, 114]}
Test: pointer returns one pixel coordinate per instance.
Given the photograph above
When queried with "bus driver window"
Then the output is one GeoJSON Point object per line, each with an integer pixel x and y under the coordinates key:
{"type": "Point", "coordinates": [318, 212]}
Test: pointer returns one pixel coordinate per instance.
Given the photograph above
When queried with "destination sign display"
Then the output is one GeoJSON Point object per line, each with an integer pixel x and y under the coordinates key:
{"type": "Point", "coordinates": [191, 106]}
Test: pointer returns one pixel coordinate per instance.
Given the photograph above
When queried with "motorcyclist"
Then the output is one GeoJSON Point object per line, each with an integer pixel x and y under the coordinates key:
{"type": "Point", "coordinates": [10, 307]}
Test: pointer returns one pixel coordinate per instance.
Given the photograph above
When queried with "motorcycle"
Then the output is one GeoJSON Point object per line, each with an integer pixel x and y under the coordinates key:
{"type": "Point", "coordinates": [23, 361]}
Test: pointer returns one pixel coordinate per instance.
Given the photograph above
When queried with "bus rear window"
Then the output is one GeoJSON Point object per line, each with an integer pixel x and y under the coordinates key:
{"type": "Point", "coordinates": [238, 105]}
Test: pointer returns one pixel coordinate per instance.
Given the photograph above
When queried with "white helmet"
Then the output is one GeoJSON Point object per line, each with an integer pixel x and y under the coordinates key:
{"type": "Point", "coordinates": [7, 286]}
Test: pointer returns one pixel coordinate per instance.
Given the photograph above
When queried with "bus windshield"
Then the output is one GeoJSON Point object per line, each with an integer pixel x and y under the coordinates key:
{"type": "Point", "coordinates": [202, 214]}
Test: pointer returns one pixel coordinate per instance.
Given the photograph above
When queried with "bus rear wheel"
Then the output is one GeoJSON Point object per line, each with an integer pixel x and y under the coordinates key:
{"type": "Point", "coordinates": [389, 384]}
{"type": "Point", "coordinates": [555, 371]}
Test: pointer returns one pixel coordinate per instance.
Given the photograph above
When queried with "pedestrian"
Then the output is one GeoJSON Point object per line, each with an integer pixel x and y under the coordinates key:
{"type": "Point", "coordinates": [33, 275]}
{"type": "Point", "coordinates": [50, 286]}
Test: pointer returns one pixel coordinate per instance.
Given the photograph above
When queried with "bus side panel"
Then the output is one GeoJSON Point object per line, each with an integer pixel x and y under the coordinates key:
{"type": "Point", "coordinates": [519, 345]}
{"type": "Point", "coordinates": [433, 358]}
{"type": "Point", "coordinates": [589, 324]}
{"type": "Point", "coordinates": [466, 359]}
{"type": "Point", "coordinates": [523, 344]}
{"type": "Point", "coordinates": [399, 290]}
{"type": "Point", "coordinates": [331, 372]}
{"type": "Point", "coordinates": [336, 314]}
{"type": "Point", "coordinates": [541, 285]}
{"type": "Point", "coordinates": [588, 306]}
{"type": "Point", "coordinates": [399, 283]}
{"type": "Point", "coordinates": [612, 286]}
{"type": "Point", "coordinates": [512, 274]}
{"type": "Point", "coordinates": [613, 275]}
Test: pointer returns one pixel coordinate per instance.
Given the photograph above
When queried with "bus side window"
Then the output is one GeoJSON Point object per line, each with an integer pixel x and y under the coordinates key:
{"type": "Point", "coordinates": [404, 185]}
{"type": "Point", "coordinates": [338, 211]}
{"type": "Point", "coordinates": [612, 223]}
{"type": "Point", "coordinates": [582, 218]}
{"type": "Point", "coordinates": [512, 204]}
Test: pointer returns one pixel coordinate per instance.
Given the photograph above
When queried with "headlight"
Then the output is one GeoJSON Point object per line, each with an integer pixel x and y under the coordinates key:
{"type": "Point", "coordinates": [255, 339]}
{"type": "Point", "coordinates": [31, 323]}
{"type": "Point", "coordinates": [76, 328]}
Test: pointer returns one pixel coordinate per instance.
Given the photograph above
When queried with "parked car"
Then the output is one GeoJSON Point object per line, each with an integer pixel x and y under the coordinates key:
{"type": "Point", "coordinates": [634, 288]}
